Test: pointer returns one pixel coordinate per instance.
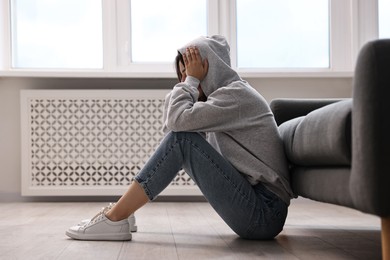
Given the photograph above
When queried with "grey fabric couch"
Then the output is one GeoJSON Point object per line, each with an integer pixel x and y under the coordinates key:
{"type": "Point", "coordinates": [339, 150]}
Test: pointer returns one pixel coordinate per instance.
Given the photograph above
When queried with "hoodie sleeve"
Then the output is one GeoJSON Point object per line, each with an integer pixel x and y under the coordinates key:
{"type": "Point", "coordinates": [182, 111]}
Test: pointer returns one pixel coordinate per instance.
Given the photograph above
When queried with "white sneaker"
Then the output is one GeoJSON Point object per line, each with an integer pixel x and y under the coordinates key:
{"type": "Point", "coordinates": [101, 228]}
{"type": "Point", "coordinates": [131, 218]}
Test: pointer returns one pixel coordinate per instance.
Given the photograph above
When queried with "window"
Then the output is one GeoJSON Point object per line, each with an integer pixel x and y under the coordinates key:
{"type": "Point", "coordinates": [157, 32]}
{"type": "Point", "coordinates": [57, 34]}
{"type": "Point", "coordinates": [384, 18]}
{"type": "Point", "coordinates": [282, 33]}
{"type": "Point", "coordinates": [139, 38]}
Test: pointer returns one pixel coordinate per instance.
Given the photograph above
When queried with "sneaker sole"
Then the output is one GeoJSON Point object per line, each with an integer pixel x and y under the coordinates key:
{"type": "Point", "coordinates": [101, 237]}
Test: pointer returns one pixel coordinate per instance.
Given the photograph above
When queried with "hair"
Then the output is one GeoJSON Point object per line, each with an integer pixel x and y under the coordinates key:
{"type": "Point", "coordinates": [178, 60]}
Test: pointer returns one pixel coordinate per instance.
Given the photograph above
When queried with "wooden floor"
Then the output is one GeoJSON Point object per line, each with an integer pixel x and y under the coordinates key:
{"type": "Point", "coordinates": [188, 231]}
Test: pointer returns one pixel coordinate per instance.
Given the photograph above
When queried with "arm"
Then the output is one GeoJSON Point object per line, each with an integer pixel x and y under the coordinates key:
{"type": "Point", "coordinates": [370, 177]}
{"type": "Point", "coordinates": [285, 109]}
{"type": "Point", "coordinates": [183, 113]}
{"type": "Point", "coordinates": [182, 110]}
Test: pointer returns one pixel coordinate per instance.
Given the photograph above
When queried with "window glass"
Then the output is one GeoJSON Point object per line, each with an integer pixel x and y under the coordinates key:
{"type": "Point", "coordinates": [384, 18]}
{"type": "Point", "coordinates": [57, 34]}
{"type": "Point", "coordinates": [159, 28]}
{"type": "Point", "coordinates": [282, 33]}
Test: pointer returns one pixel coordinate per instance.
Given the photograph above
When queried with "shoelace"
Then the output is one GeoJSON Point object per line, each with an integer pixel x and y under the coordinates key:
{"type": "Point", "coordinates": [99, 215]}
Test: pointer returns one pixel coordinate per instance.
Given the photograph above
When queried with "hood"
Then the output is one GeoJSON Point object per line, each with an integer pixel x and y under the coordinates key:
{"type": "Point", "coordinates": [217, 51]}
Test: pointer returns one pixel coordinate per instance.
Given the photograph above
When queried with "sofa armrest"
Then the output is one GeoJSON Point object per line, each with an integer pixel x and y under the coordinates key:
{"type": "Point", "coordinates": [285, 109]}
{"type": "Point", "coordinates": [370, 178]}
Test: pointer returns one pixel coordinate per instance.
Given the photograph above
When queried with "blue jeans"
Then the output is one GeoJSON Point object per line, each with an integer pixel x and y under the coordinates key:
{"type": "Point", "coordinates": [253, 212]}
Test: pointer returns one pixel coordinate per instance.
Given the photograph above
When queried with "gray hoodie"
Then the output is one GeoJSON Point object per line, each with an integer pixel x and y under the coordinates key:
{"type": "Point", "coordinates": [236, 119]}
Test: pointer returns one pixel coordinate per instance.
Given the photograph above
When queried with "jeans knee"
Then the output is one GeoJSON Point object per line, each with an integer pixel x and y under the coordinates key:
{"type": "Point", "coordinates": [262, 233]}
{"type": "Point", "coordinates": [257, 235]}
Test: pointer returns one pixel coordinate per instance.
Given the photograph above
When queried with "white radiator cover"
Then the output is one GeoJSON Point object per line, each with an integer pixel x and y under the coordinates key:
{"type": "Point", "coordinates": [90, 142]}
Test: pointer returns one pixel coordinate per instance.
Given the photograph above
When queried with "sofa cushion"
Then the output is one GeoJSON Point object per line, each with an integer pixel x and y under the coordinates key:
{"type": "Point", "coordinates": [322, 137]}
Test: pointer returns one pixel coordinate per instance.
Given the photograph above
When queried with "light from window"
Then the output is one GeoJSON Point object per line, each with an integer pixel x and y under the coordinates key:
{"type": "Point", "coordinates": [57, 34]}
{"type": "Point", "coordinates": [384, 18]}
{"type": "Point", "coordinates": [159, 28]}
{"type": "Point", "coordinates": [282, 34]}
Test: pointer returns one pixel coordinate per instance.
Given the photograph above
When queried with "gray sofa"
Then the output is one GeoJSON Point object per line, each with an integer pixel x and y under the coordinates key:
{"type": "Point", "coordinates": [339, 150]}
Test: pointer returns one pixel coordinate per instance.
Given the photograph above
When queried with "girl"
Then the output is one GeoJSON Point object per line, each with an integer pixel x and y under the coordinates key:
{"type": "Point", "coordinates": [222, 132]}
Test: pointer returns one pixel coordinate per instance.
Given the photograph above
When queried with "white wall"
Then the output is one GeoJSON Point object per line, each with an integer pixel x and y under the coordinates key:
{"type": "Point", "coordinates": [10, 165]}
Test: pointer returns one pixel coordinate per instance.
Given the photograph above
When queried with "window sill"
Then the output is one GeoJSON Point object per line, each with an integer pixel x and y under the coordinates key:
{"type": "Point", "coordinates": [83, 74]}
{"type": "Point", "coordinates": [127, 74]}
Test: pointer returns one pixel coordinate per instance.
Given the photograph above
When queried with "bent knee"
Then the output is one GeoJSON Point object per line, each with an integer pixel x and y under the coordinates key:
{"type": "Point", "coordinates": [260, 233]}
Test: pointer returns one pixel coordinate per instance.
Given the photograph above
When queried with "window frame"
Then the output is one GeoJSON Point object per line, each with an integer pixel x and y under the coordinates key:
{"type": "Point", "coordinates": [352, 23]}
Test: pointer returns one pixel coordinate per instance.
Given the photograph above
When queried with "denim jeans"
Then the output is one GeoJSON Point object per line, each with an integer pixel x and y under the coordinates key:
{"type": "Point", "coordinates": [252, 212]}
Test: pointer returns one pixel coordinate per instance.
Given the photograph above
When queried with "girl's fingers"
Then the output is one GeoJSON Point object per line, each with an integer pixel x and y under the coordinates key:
{"type": "Point", "coordinates": [193, 53]}
{"type": "Point", "coordinates": [194, 64]}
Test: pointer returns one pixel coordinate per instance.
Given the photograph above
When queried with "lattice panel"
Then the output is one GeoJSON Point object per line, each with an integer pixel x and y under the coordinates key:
{"type": "Point", "coordinates": [90, 142]}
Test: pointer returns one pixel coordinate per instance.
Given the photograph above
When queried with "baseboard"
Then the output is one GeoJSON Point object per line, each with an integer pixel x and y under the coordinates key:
{"type": "Point", "coordinates": [9, 197]}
